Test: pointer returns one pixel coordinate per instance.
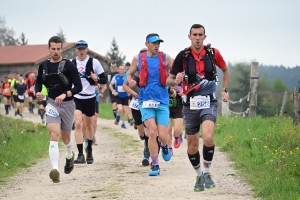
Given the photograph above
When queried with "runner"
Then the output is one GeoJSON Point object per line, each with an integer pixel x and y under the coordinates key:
{"type": "Point", "coordinates": [58, 75]}
{"type": "Point", "coordinates": [91, 73]}
{"type": "Point", "coordinates": [175, 107]}
{"type": "Point", "coordinates": [121, 96]}
{"type": "Point", "coordinates": [129, 113]}
{"type": "Point", "coordinates": [137, 116]}
{"type": "Point", "coordinates": [42, 103]}
{"type": "Point", "coordinates": [153, 96]}
{"type": "Point", "coordinates": [20, 93]}
{"type": "Point", "coordinates": [195, 67]}
{"type": "Point", "coordinates": [111, 74]}
{"type": "Point", "coordinates": [6, 92]}
{"type": "Point", "coordinates": [30, 91]}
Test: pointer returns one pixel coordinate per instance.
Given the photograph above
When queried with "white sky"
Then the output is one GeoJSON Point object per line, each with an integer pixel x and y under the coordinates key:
{"type": "Point", "coordinates": [267, 31]}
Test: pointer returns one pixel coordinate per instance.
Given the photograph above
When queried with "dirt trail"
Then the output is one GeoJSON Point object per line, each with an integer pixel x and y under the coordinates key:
{"type": "Point", "coordinates": [118, 174]}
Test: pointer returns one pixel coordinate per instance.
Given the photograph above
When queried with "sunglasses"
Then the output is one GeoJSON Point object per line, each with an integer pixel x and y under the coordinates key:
{"type": "Point", "coordinates": [81, 43]}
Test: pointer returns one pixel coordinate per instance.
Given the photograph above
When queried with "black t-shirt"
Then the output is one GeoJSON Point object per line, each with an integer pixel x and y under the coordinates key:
{"type": "Point", "coordinates": [21, 88]}
{"type": "Point", "coordinates": [53, 82]}
{"type": "Point", "coordinates": [177, 64]}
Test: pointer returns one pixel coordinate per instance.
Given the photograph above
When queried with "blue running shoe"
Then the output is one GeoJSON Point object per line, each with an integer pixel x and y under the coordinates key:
{"type": "Point", "coordinates": [117, 120]}
{"type": "Point", "coordinates": [209, 183]}
{"type": "Point", "coordinates": [166, 154]}
{"type": "Point", "coordinates": [154, 171]}
{"type": "Point", "coordinates": [123, 126]}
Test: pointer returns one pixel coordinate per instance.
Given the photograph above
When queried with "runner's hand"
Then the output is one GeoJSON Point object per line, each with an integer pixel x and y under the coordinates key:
{"type": "Point", "coordinates": [100, 95]}
{"type": "Point", "coordinates": [39, 96]}
{"type": "Point", "coordinates": [115, 93]}
{"type": "Point", "coordinates": [225, 96]}
{"type": "Point", "coordinates": [132, 83]}
{"type": "Point", "coordinates": [60, 98]}
{"type": "Point", "coordinates": [179, 77]}
{"type": "Point", "coordinates": [174, 93]}
{"type": "Point", "coordinates": [94, 77]}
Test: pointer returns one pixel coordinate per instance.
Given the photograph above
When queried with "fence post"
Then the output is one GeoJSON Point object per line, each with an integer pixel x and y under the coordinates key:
{"type": "Point", "coordinates": [253, 89]}
{"type": "Point", "coordinates": [296, 106]}
{"type": "Point", "coordinates": [283, 105]}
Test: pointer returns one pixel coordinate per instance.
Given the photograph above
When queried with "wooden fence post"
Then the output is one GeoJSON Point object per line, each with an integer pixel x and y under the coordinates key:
{"type": "Point", "coordinates": [283, 105]}
{"type": "Point", "coordinates": [253, 89]}
{"type": "Point", "coordinates": [296, 106]}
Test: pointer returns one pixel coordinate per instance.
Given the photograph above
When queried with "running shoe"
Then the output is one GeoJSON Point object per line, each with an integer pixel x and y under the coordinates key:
{"type": "Point", "coordinates": [209, 183]}
{"type": "Point", "coordinates": [80, 159]}
{"type": "Point", "coordinates": [54, 175]}
{"type": "Point", "coordinates": [69, 164]}
{"type": "Point", "coordinates": [154, 170]}
{"type": "Point", "coordinates": [123, 126]}
{"type": "Point", "coordinates": [146, 150]}
{"type": "Point", "coordinates": [145, 162]}
{"type": "Point", "coordinates": [176, 142]}
{"type": "Point", "coordinates": [89, 157]}
{"type": "Point", "coordinates": [166, 154]}
{"type": "Point", "coordinates": [199, 185]}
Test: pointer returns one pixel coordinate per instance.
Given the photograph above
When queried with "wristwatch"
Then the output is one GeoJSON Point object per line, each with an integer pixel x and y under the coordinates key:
{"type": "Point", "coordinates": [224, 89]}
{"type": "Point", "coordinates": [66, 93]}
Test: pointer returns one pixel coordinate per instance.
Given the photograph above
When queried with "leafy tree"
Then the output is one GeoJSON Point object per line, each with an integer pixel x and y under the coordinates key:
{"type": "Point", "coordinates": [22, 40]}
{"type": "Point", "coordinates": [6, 34]}
{"type": "Point", "coordinates": [114, 53]}
{"type": "Point", "coordinates": [62, 35]}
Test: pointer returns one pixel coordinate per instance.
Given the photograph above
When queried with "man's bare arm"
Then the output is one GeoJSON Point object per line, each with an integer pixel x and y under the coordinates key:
{"type": "Point", "coordinates": [171, 81]}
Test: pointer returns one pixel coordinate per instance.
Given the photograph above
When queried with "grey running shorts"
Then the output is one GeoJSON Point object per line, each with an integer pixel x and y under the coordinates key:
{"type": "Point", "coordinates": [61, 114]}
{"type": "Point", "coordinates": [193, 118]}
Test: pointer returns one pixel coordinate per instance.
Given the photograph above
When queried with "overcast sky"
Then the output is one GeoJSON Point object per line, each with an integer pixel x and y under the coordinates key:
{"type": "Point", "coordinates": [267, 31]}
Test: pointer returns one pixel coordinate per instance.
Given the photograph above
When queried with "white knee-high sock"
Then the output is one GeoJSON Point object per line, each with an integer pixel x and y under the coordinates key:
{"type": "Point", "coordinates": [54, 154]}
{"type": "Point", "coordinates": [69, 148]}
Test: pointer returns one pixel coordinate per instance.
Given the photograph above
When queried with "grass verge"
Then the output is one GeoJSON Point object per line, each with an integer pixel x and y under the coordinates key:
{"type": "Point", "coordinates": [266, 154]}
{"type": "Point", "coordinates": [22, 144]}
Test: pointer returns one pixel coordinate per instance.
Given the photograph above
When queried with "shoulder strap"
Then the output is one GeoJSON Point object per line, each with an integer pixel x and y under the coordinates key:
{"type": "Point", "coordinates": [74, 61]}
{"type": "Point", "coordinates": [61, 65]}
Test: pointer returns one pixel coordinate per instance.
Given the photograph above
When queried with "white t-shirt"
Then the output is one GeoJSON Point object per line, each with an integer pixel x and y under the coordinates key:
{"type": "Point", "coordinates": [86, 87]}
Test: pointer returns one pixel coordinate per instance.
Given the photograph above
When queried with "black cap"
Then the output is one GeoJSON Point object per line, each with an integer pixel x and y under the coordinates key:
{"type": "Point", "coordinates": [81, 44]}
{"type": "Point", "coordinates": [127, 64]}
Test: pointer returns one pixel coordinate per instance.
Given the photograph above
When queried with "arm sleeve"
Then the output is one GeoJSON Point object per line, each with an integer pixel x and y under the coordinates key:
{"type": "Point", "coordinates": [75, 79]}
{"type": "Point", "coordinates": [39, 79]}
{"type": "Point", "coordinates": [177, 64]}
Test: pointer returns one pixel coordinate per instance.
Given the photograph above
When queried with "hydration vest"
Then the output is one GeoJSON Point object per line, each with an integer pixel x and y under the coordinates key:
{"type": "Point", "coordinates": [88, 70]}
{"type": "Point", "coordinates": [191, 79]}
{"type": "Point", "coordinates": [60, 74]}
{"type": "Point", "coordinates": [143, 75]}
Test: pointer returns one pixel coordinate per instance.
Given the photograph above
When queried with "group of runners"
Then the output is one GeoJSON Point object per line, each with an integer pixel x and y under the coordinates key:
{"type": "Point", "coordinates": [154, 91]}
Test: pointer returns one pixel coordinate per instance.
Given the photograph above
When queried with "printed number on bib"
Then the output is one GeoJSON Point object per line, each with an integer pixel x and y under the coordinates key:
{"type": "Point", "coordinates": [199, 102]}
{"type": "Point", "coordinates": [51, 111]}
{"type": "Point", "coordinates": [150, 104]}
{"type": "Point", "coordinates": [120, 89]}
{"type": "Point", "coordinates": [134, 104]}
{"type": "Point", "coordinates": [21, 97]}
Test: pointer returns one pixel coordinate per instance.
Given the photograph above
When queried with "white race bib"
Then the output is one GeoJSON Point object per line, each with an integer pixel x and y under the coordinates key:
{"type": "Point", "coordinates": [7, 90]}
{"type": "Point", "coordinates": [199, 102]}
{"type": "Point", "coordinates": [26, 96]}
{"type": "Point", "coordinates": [150, 104]}
{"type": "Point", "coordinates": [21, 97]}
{"type": "Point", "coordinates": [45, 98]}
{"type": "Point", "coordinates": [120, 89]}
{"type": "Point", "coordinates": [134, 104]}
{"type": "Point", "coordinates": [51, 111]}
{"type": "Point", "coordinates": [31, 88]}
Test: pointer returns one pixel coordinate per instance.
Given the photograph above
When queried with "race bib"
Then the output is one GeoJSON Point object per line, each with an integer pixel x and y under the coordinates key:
{"type": "Point", "coordinates": [26, 96]}
{"type": "Point", "coordinates": [199, 102]}
{"type": "Point", "coordinates": [120, 89]}
{"type": "Point", "coordinates": [51, 111]}
{"type": "Point", "coordinates": [45, 98]}
{"type": "Point", "coordinates": [21, 97]}
{"type": "Point", "coordinates": [150, 104]}
{"type": "Point", "coordinates": [134, 104]}
{"type": "Point", "coordinates": [7, 90]}
{"type": "Point", "coordinates": [31, 88]}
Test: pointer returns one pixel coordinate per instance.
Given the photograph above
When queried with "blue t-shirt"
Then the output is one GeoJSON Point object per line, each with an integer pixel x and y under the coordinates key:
{"type": "Point", "coordinates": [119, 86]}
{"type": "Point", "coordinates": [153, 90]}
